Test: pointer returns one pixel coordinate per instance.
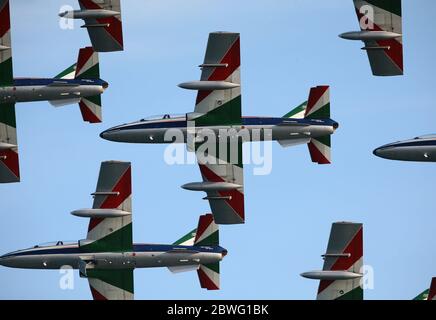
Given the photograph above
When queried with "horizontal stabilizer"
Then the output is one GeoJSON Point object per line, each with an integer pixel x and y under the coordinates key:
{"type": "Point", "coordinates": [181, 269]}
{"type": "Point", "coordinates": [64, 102]}
{"type": "Point", "coordinates": [293, 142]}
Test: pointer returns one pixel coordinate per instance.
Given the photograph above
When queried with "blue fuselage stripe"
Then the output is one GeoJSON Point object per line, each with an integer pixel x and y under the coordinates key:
{"type": "Point", "coordinates": [136, 248]}
{"type": "Point", "coordinates": [28, 82]}
{"type": "Point", "coordinates": [246, 121]}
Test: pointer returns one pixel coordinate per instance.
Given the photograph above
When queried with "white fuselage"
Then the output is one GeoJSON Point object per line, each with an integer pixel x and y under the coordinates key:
{"type": "Point", "coordinates": [252, 129]}
{"type": "Point", "coordinates": [149, 257]}
{"type": "Point", "coordinates": [27, 90]}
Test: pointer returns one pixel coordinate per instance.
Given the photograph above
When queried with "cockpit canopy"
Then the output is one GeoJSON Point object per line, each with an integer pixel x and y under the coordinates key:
{"type": "Point", "coordinates": [163, 117]}
{"type": "Point", "coordinates": [54, 244]}
{"type": "Point", "coordinates": [428, 136]}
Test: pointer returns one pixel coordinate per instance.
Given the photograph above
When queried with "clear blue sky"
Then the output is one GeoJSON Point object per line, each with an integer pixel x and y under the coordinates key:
{"type": "Point", "coordinates": [287, 47]}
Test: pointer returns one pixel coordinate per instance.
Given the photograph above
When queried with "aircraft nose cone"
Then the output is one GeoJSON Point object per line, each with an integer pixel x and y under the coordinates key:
{"type": "Point", "coordinates": [4, 261]}
{"type": "Point", "coordinates": [103, 135]}
{"type": "Point", "coordinates": [224, 253]}
{"type": "Point", "coordinates": [335, 125]}
{"type": "Point", "coordinates": [376, 152]}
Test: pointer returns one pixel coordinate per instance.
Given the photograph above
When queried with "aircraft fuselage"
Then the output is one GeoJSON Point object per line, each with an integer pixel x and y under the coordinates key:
{"type": "Point", "coordinates": [142, 256]}
{"type": "Point", "coordinates": [258, 129]}
{"type": "Point", "coordinates": [421, 149]}
{"type": "Point", "coordinates": [40, 89]}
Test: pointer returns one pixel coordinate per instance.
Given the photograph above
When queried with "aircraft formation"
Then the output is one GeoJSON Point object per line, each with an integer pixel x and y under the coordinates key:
{"type": "Point", "coordinates": [108, 256]}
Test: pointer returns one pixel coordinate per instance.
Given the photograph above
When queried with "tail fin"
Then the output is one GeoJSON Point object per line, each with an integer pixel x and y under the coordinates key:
{"type": "Point", "coordinates": [6, 73]}
{"type": "Point", "coordinates": [428, 294]}
{"type": "Point", "coordinates": [208, 235]}
{"type": "Point", "coordinates": [110, 227]}
{"type": "Point", "coordinates": [90, 107]}
{"type": "Point", "coordinates": [209, 276]}
{"type": "Point", "coordinates": [87, 64]}
{"type": "Point", "coordinates": [343, 261]}
{"type": "Point", "coordinates": [432, 291]}
{"type": "Point", "coordinates": [207, 232]}
{"type": "Point", "coordinates": [88, 68]}
{"type": "Point", "coordinates": [320, 150]}
{"type": "Point", "coordinates": [318, 107]}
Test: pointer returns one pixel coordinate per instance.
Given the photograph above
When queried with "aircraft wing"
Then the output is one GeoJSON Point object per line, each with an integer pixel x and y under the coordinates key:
{"type": "Point", "coordinates": [219, 104]}
{"type": "Point", "coordinates": [106, 33]}
{"type": "Point", "coordinates": [9, 163]}
{"type": "Point", "coordinates": [219, 92]}
{"type": "Point", "coordinates": [9, 166]}
{"type": "Point", "coordinates": [227, 205]}
{"type": "Point", "coordinates": [113, 192]}
{"type": "Point", "coordinates": [385, 56]}
{"type": "Point", "coordinates": [344, 253]}
{"type": "Point", "coordinates": [111, 284]}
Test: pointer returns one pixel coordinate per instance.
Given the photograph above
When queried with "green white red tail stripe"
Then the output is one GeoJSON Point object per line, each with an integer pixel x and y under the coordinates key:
{"type": "Point", "coordinates": [345, 239]}
{"type": "Point", "coordinates": [209, 276]}
{"type": "Point", "coordinates": [87, 64]}
{"type": "Point", "coordinates": [320, 150]}
{"type": "Point", "coordinates": [228, 208]}
{"type": "Point", "coordinates": [221, 107]}
{"type": "Point", "coordinates": [68, 73]}
{"type": "Point", "coordinates": [297, 113]}
{"type": "Point", "coordinates": [187, 239]}
{"type": "Point", "coordinates": [207, 232]}
{"type": "Point", "coordinates": [111, 284]}
{"type": "Point", "coordinates": [387, 16]}
{"type": "Point", "coordinates": [106, 33]}
{"type": "Point", "coordinates": [318, 105]}
{"type": "Point", "coordinates": [114, 191]}
{"type": "Point", "coordinates": [6, 75]}
{"type": "Point", "coordinates": [87, 67]}
{"type": "Point", "coordinates": [90, 107]}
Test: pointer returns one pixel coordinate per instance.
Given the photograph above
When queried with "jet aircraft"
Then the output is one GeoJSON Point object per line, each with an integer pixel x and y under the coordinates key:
{"type": "Point", "coordinates": [420, 149]}
{"type": "Point", "coordinates": [381, 31]}
{"type": "Point", "coordinates": [341, 274]}
{"type": "Point", "coordinates": [79, 83]}
{"type": "Point", "coordinates": [218, 113]}
{"type": "Point", "coordinates": [108, 256]}
{"type": "Point", "coordinates": [103, 22]}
